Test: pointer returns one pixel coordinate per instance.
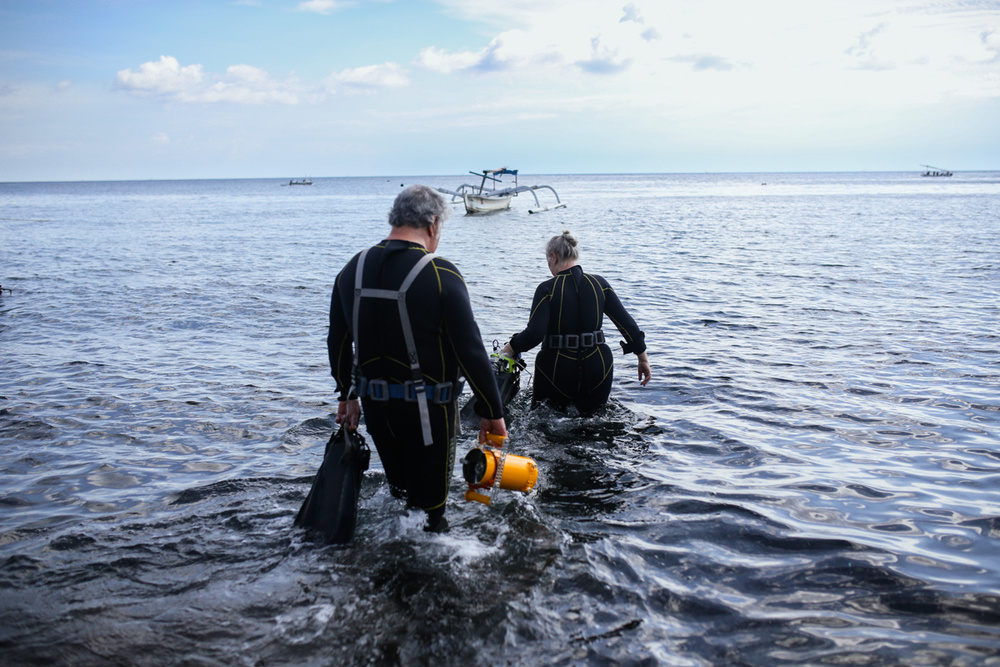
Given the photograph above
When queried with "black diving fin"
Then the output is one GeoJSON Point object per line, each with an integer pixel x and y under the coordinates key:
{"type": "Point", "coordinates": [331, 508]}
{"type": "Point", "coordinates": [507, 372]}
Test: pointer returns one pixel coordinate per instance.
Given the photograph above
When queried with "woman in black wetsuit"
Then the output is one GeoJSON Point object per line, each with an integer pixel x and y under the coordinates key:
{"type": "Point", "coordinates": [575, 366]}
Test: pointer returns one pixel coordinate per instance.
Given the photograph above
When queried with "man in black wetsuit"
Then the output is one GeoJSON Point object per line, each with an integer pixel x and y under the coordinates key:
{"type": "Point", "coordinates": [407, 313]}
{"type": "Point", "coordinates": [575, 366]}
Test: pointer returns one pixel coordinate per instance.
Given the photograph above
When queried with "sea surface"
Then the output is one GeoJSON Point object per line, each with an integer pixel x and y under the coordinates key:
{"type": "Point", "coordinates": [812, 477]}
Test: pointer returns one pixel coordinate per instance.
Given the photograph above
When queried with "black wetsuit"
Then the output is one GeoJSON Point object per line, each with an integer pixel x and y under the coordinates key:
{"type": "Point", "coordinates": [574, 367]}
{"type": "Point", "coordinates": [448, 345]}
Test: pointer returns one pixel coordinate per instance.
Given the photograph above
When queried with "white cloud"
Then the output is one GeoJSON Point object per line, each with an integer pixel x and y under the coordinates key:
{"type": "Point", "coordinates": [252, 85]}
{"type": "Point", "coordinates": [321, 6]}
{"type": "Point", "coordinates": [774, 54]}
{"type": "Point", "coordinates": [704, 61]}
{"type": "Point", "coordinates": [245, 84]}
{"type": "Point", "coordinates": [241, 84]}
{"type": "Point", "coordinates": [991, 44]}
{"type": "Point", "coordinates": [603, 60]}
{"type": "Point", "coordinates": [439, 60]}
{"type": "Point", "coordinates": [162, 77]}
{"type": "Point", "coordinates": [368, 78]}
{"type": "Point", "coordinates": [161, 138]}
{"type": "Point", "coordinates": [510, 50]}
{"type": "Point", "coordinates": [865, 53]}
{"type": "Point", "coordinates": [631, 13]}
{"type": "Point", "coordinates": [651, 34]}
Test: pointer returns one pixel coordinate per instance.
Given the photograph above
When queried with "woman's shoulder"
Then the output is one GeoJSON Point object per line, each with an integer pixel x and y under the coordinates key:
{"type": "Point", "coordinates": [598, 279]}
{"type": "Point", "coordinates": [547, 285]}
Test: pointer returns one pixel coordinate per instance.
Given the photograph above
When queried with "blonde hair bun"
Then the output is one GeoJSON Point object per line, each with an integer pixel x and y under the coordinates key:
{"type": "Point", "coordinates": [563, 246]}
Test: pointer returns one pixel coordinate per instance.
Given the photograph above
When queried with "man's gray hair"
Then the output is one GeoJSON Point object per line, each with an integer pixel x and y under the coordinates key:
{"type": "Point", "coordinates": [416, 206]}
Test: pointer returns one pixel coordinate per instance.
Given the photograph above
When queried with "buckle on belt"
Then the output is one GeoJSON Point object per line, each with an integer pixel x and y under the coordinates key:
{"type": "Point", "coordinates": [410, 389]}
{"type": "Point", "coordinates": [378, 390]}
{"type": "Point", "coordinates": [442, 392]}
{"type": "Point", "coordinates": [576, 341]}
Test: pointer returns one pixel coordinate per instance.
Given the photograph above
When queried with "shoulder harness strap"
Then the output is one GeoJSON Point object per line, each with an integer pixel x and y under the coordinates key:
{"type": "Point", "coordinates": [411, 348]}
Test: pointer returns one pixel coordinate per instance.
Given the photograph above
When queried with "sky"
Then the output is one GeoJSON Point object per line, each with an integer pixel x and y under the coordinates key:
{"type": "Point", "coordinates": [158, 89]}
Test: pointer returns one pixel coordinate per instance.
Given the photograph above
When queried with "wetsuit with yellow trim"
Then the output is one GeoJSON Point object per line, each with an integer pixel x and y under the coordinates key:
{"type": "Point", "coordinates": [448, 346]}
{"type": "Point", "coordinates": [575, 366]}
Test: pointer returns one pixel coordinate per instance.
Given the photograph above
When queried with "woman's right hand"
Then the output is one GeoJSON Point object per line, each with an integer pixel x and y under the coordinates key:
{"type": "Point", "coordinates": [645, 370]}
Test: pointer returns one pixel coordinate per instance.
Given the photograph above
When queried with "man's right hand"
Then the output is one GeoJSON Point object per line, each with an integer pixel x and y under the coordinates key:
{"type": "Point", "coordinates": [348, 414]}
{"type": "Point", "coordinates": [494, 426]}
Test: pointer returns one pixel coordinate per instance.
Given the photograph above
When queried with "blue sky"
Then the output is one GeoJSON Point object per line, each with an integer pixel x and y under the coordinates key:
{"type": "Point", "coordinates": [131, 89]}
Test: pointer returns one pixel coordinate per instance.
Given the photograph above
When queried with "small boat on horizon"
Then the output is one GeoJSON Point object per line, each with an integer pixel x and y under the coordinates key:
{"type": "Point", "coordinates": [935, 171]}
{"type": "Point", "coordinates": [489, 198]}
{"type": "Point", "coordinates": [299, 181]}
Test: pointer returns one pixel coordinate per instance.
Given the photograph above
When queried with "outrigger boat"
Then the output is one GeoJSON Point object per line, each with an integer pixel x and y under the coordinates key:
{"type": "Point", "coordinates": [485, 198]}
{"type": "Point", "coordinates": [935, 171]}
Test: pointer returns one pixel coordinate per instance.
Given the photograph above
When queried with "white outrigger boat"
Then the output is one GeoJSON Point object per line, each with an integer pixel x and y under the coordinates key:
{"type": "Point", "coordinates": [483, 199]}
{"type": "Point", "coordinates": [935, 171]}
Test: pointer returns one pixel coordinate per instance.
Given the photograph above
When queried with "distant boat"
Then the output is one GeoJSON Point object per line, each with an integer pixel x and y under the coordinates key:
{"type": "Point", "coordinates": [300, 181]}
{"type": "Point", "coordinates": [935, 171]}
{"type": "Point", "coordinates": [489, 198]}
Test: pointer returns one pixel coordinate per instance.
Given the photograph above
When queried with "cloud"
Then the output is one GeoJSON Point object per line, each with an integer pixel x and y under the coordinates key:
{"type": "Point", "coordinates": [245, 84]}
{"type": "Point", "coordinates": [321, 6]}
{"type": "Point", "coordinates": [163, 77]}
{"type": "Point", "coordinates": [864, 52]}
{"type": "Point", "coordinates": [704, 61]}
{"type": "Point", "coordinates": [603, 65]}
{"type": "Point", "coordinates": [990, 44]}
{"type": "Point", "coordinates": [439, 60]}
{"type": "Point", "coordinates": [512, 49]}
{"type": "Point", "coordinates": [631, 14]}
{"type": "Point", "coordinates": [603, 60]}
{"type": "Point", "coordinates": [368, 78]}
{"type": "Point", "coordinates": [241, 84]}
{"type": "Point", "coordinates": [161, 138]}
{"type": "Point", "coordinates": [553, 40]}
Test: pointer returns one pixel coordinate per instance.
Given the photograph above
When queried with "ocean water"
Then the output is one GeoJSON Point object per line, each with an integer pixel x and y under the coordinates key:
{"type": "Point", "coordinates": [812, 477]}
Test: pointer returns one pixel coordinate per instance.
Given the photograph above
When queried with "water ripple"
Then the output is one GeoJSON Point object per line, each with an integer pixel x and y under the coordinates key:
{"type": "Point", "coordinates": [810, 478]}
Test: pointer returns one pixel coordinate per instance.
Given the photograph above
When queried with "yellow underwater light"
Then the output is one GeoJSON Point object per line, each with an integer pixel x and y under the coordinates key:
{"type": "Point", "coordinates": [488, 468]}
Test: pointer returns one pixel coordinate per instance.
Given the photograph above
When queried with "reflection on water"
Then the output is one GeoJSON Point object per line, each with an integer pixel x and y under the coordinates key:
{"type": "Point", "coordinates": [811, 477]}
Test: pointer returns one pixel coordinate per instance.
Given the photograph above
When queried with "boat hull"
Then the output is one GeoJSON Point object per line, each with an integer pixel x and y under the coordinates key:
{"type": "Point", "coordinates": [477, 204]}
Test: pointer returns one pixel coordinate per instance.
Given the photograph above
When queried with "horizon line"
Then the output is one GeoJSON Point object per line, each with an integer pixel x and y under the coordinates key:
{"type": "Point", "coordinates": [595, 173]}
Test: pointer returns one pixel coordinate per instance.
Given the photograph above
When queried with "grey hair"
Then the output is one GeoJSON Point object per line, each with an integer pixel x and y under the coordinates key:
{"type": "Point", "coordinates": [564, 247]}
{"type": "Point", "coordinates": [416, 207]}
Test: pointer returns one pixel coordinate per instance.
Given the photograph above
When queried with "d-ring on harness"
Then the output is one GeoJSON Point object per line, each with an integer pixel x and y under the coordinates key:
{"type": "Point", "coordinates": [419, 389]}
